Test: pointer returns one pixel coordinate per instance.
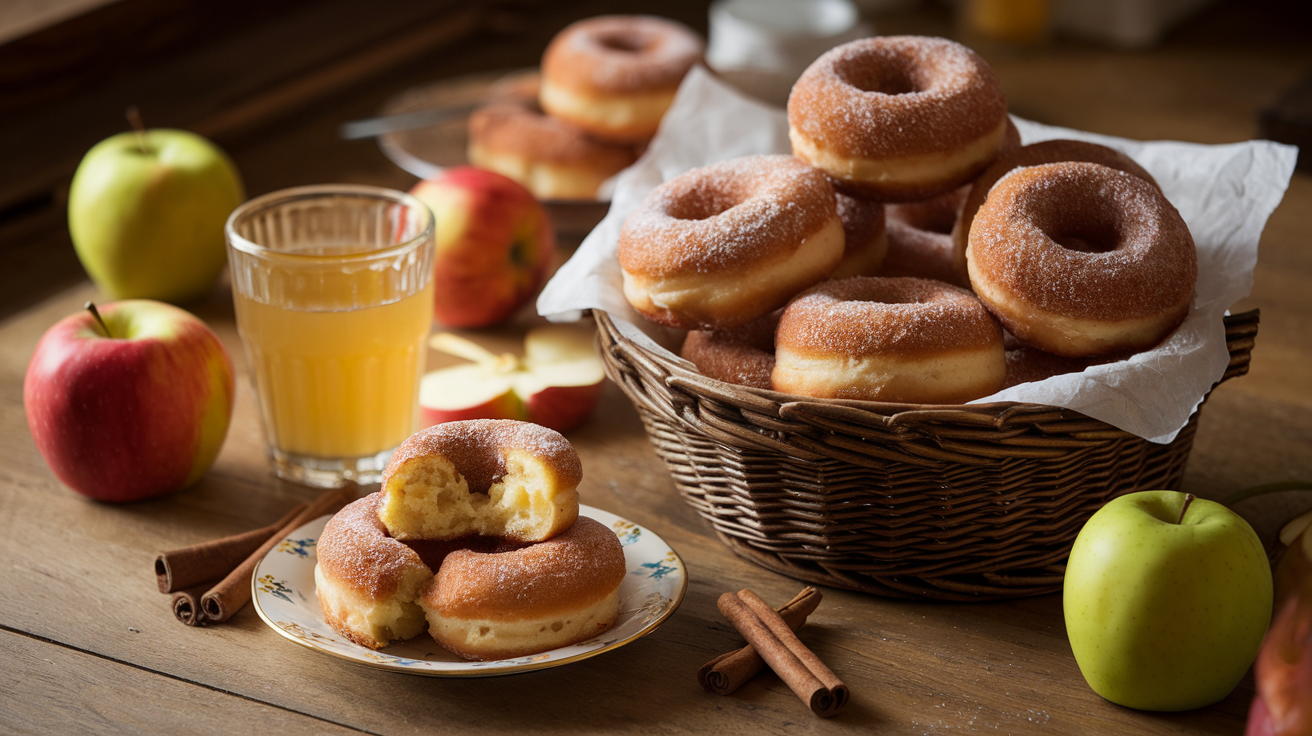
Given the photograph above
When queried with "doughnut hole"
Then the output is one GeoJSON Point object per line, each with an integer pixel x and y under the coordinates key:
{"type": "Point", "coordinates": [428, 498]}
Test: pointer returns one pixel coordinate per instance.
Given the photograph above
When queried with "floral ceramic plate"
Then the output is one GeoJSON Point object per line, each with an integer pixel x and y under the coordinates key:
{"type": "Point", "coordinates": [284, 597]}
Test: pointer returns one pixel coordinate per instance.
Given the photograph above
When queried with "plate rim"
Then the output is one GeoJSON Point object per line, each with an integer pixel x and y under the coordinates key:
{"type": "Point", "coordinates": [491, 671]}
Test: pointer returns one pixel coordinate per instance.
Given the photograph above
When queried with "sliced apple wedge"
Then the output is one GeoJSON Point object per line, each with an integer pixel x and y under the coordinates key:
{"type": "Point", "coordinates": [556, 384]}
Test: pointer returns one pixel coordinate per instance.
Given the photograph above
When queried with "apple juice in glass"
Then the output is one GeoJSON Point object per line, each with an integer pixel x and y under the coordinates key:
{"type": "Point", "coordinates": [333, 287]}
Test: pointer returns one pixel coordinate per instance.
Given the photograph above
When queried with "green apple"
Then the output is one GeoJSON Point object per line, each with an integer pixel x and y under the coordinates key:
{"type": "Point", "coordinates": [146, 212]}
{"type": "Point", "coordinates": [1167, 598]}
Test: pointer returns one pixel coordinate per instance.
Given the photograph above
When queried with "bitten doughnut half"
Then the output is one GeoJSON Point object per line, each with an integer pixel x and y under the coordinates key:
{"type": "Point", "coordinates": [920, 241]}
{"type": "Point", "coordinates": [742, 355]}
{"type": "Point", "coordinates": [865, 237]}
{"type": "Point", "coordinates": [1079, 259]}
{"type": "Point", "coordinates": [1044, 152]}
{"type": "Point", "coordinates": [490, 477]}
{"type": "Point", "coordinates": [551, 158]}
{"type": "Point", "coordinates": [898, 118]}
{"type": "Point", "coordinates": [722, 245]}
{"type": "Point", "coordinates": [543, 596]}
{"type": "Point", "coordinates": [366, 581]}
{"type": "Point", "coordinates": [888, 339]}
{"type": "Point", "coordinates": [614, 76]}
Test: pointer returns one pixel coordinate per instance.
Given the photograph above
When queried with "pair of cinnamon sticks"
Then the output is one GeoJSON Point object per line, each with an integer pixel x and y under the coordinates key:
{"type": "Point", "coordinates": [187, 573]}
{"type": "Point", "coordinates": [771, 641]}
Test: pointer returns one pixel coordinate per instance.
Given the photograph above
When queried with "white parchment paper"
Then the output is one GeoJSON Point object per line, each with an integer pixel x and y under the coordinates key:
{"type": "Point", "coordinates": [1224, 193]}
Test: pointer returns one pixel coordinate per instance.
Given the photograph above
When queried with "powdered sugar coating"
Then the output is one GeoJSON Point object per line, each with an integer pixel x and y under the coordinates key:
{"type": "Point", "coordinates": [356, 550]}
{"type": "Point", "coordinates": [475, 446]}
{"type": "Point", "coordinates": [742, 355]}
{"type": "Point", "coordinates": [524, 131]}
{"type": "Point", "coordinates": [621, 54]}
{"type": "Point", "coordinates": [1144, 263]}
{"type": "Point", "coordinates": [864, 316]}
{"type": "Point", "coordinates": [726, 217]}
{"type": "Point", "coordinates": [892, 96]}
{"type": "Point", "coordinates": [1044, 152]}
{"type": "Point", "coordinates": [570, 571]}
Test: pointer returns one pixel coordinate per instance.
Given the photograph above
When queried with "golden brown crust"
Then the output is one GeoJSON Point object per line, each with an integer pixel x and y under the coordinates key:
{"type": "Point", "coordinates": [1044, 152]}
{"type": "Point", "coordinates": [895, 96]}
{"type": "Point", "coordinates": [864, 316]}
{"type": "Point", "coordinates": [355, 551]}
{"type": "Point", "coordinates": [1083, 241]}
{"type": "Point", "coordinates": [525, 132]}
{"type": "Point", "coordinates": [742, 355]}
{"type": "Point", "coordinates": [722, 218]}
{"type": "Point", "coordinates": [571, 571]}
{"type": "Point", "coordinates": [474, 448]}
{"type": "Point", "coordinates": [621, 54]}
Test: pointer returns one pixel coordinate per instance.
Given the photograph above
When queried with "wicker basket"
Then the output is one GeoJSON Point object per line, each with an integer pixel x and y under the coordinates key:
{"type": "Point", "coordinates": [958, 503]}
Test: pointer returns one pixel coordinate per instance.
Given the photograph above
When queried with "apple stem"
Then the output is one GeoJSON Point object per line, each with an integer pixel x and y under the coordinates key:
{"type": "Point", "coordinates": [134, 119]}
{"type": "Point", "coordinates": [461, 348]}
{"type": "Point", "coordinates": [1188, 499]}
{"type": "Point", "coordinates": [91, 307]}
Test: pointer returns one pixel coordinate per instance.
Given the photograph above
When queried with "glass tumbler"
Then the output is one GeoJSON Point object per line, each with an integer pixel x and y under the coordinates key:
{"type": "Point", "coordinates": [333, 287]}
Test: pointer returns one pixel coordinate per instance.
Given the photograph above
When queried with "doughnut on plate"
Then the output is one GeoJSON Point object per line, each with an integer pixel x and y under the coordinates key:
{"type": "Point", "coordinates": [426, 150]}
{"type": "Point", "coordinates": [283, 593]}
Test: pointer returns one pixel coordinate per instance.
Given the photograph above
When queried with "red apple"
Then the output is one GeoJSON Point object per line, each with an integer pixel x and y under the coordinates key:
{"type": "Point", "coordinates": [556, 384]}
{"type": "Point", "coordinates": [131, 407]}
{"type": "Point", "coordinates": [494, 245]}
{"type": "Point", "coordinates": [1283, 670]}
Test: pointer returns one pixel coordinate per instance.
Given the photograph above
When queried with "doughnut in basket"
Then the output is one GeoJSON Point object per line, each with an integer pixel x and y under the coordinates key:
{"type": "Point", "coordinates": [1079, 259]}
{"type": "Point", "coordinates": [898, 118]}
{"type": "Point", "coordinates": [743, 355]}
{"type": "Point", "coordinates": [475, 535]}
{"type": "Point", "coordinates": [722, 245]}
{"type": "Point", "coordinates": [920, 239]}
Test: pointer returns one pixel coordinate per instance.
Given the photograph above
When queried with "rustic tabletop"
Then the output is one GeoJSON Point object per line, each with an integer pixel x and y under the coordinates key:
{"type": "Point", "coordinates": [91, 646]}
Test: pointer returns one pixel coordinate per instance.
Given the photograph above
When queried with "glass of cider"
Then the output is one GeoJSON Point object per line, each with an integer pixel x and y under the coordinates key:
{"type": "Point", "coordinates": [333, 288]}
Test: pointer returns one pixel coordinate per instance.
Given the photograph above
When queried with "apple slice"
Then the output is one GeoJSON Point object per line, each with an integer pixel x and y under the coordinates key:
{"type": "Point", "coordinates": [557, 383]}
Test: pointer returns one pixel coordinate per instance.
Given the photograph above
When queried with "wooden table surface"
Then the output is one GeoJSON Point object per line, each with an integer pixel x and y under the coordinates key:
{"type": "Point", "coordinates": [90, 646]}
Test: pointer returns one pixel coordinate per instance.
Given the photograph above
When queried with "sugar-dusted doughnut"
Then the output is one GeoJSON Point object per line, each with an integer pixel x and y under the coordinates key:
{"type": "Point", "coordinates": [1079, 259]}
{"type": "Point", "coordinates": [722, 245]}
{"type": "Point", "coordinates": [493, 605]}
{"type": "Point", "coordinates": [550, 157]}
{"type": "Point", "coordinates": [366, 581]}
{"type": "Point", "coordinates": [1044, 152]}
{"type": "Point", "coordinates": [865, 239]}
{"type": "Point", "coordinates": [901, 340]}
{"type": "Point", "coordinates": [898, 118]}
{"type": "Point", "coordinates": [743, 355]}
{"type": "Point", "coordinates": [491, 477]}
{"type": "Point", "coordinates": [920, 240]}
{"type": "Point", "coordinates": [614, 76]}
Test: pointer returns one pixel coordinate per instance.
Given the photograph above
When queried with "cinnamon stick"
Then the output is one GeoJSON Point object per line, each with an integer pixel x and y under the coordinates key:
{"type": "Point", "coordinates": [199, 563]}
{"type": "Point", "coordinates": [797, 666]}
{"type": "Point", "coordinates": [731, 670]}
{"type": "Point", "coordinates": [234, 591]}
{"type": "Point", "coordinates": [186, 607]}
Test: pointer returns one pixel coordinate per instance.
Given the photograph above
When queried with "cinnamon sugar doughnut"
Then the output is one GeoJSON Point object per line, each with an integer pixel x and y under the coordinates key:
{"type": "Point", "coordinates": [614, 76]}
{"type": "Point", "coordinates": [1080, 259]}
{"type": "Point", "coordinates": [366, 581]}
{"type": "Point", "coordinates": [492, 477]}
{"type": "Point", "coordinates": [497, 605]}
{"type": "Point", "coordinates": [898, 118]}
{"type": "Point", "coordinates": [888, 339]}
{"type": "Point", "coordinates": [864, 235]}
{"type": "Point", "coordinates": [550, 157]}
{"type": "Point", "coordinates": [920, 240]}
{"type": "Point", "coordinates": [742, 355]}
{"type": "Point", "coordinates": [722, 245]}
{"type": "Point", "coordinates": [1044, 152]}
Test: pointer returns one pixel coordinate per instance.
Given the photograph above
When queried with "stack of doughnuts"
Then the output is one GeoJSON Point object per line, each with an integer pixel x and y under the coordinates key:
{"type": "Point", "coordinates": [475, 536]}
{"type": "Point", "coordinates": [910, 250]}
{"type": "Point", "coordinates": [605, 84]}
